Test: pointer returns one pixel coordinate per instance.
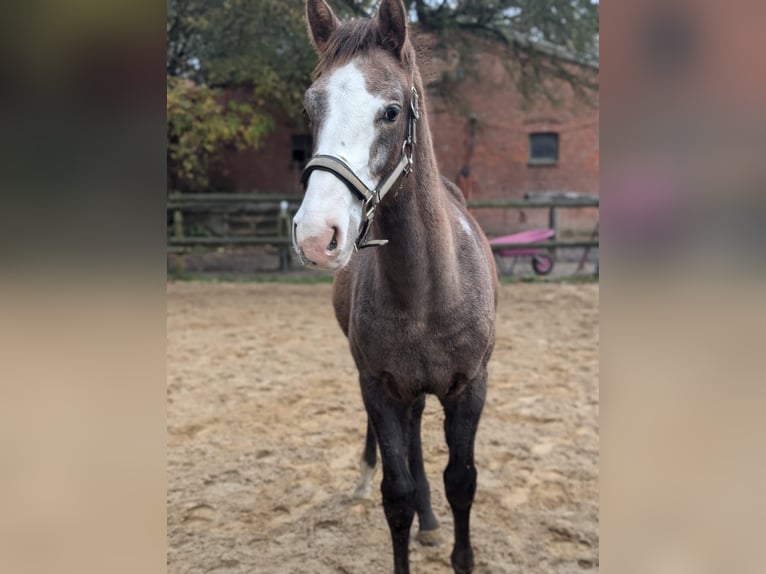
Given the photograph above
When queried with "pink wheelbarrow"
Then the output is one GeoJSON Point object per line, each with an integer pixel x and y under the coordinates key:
{"type": "Point", "coordinates": [542, 263]}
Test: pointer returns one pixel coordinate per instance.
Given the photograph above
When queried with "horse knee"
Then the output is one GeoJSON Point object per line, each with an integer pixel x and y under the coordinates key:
{"type": "Point", "coordinates": [398, 489]}
{"type": "Point", "coordinates": [460, 485]}
{"type": "Point", "coordinates": [399, 500]}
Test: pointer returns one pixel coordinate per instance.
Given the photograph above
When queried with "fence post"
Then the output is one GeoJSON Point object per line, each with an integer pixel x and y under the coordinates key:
{"type": "Point", "coordinates": [553, 223]}
{"type": "Point", "coordinates": [283, 230]}
{"type": "Point", "coordinates": [178, 233]}
{"type": "Point", "coordinates": [178, 224]}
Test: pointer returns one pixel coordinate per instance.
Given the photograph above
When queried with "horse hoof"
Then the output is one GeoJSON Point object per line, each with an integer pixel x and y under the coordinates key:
{"type": "Point", "coordinates": [464, 567]}
{"type": "Point", "coordinates": [429, 537]}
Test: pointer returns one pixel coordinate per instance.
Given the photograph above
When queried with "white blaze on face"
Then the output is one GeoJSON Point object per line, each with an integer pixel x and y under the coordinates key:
{"type": "Point", "coordinates": [347, 132]}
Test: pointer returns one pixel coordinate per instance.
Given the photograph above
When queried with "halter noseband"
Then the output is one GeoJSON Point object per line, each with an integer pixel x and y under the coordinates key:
{"type": "Point", "coordinates": [370, 198]}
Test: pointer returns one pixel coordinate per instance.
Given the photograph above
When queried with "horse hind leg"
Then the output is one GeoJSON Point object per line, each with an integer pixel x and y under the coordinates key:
{"type": "Point", "coordinates": [367, 465]}
{"type": "Point", "coordinates": [462, 413]}
{"type": "Point", "coordinates": [428, 527]}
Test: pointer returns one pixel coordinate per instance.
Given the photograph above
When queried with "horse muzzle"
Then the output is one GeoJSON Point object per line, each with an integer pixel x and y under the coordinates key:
{"type": "Point", "coordinates": [320, 247]}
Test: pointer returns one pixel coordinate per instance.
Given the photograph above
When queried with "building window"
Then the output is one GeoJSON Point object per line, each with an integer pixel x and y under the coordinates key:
{"type": "Point", "coordinates": [302, 145]}
{"type": "Point", "coordinates": [543, 148]}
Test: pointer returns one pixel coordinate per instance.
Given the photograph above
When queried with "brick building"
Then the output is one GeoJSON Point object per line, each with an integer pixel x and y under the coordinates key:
{"type": "Point", "coordinates": [508, 148]}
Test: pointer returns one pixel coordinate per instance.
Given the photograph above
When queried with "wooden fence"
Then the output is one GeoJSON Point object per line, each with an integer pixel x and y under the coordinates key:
{"type": "Point", "coordinates": [283, 207]}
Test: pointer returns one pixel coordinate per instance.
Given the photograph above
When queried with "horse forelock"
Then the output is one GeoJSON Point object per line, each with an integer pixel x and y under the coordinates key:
{"type": "Point", "coordinates": [356, 37]}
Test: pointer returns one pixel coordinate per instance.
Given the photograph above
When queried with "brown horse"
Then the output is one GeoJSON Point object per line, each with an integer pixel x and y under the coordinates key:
{"type": "Point", "coordinates": [417, 303]}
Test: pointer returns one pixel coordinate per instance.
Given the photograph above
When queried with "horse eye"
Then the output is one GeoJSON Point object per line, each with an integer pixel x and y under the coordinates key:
{"type": "Point", "coordinates": [391, 113]}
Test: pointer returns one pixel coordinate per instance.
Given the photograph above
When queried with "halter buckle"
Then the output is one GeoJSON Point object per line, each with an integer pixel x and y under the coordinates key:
{"type": "Point", "coordinates": [414, 104]}
{"type": "Point", "coordinates": [408, 151]}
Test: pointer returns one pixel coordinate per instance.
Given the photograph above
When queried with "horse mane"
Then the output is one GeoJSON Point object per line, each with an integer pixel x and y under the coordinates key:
{"type": "Point", "coordinates": [360, 35]}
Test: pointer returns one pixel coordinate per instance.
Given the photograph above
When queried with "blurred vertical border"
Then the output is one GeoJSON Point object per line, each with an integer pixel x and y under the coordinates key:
{"type": "Point", "coordinates": [82, 285]}
{"type": "Point", "coordinates": [683, 271]}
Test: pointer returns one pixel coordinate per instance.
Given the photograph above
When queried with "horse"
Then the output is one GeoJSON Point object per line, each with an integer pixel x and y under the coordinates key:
{"type": "Point", "coordinates": [415, 285]}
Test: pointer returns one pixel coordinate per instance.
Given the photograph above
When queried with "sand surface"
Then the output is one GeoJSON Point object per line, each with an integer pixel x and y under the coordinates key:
{"type": "Point", "coordinates": [266, 427]}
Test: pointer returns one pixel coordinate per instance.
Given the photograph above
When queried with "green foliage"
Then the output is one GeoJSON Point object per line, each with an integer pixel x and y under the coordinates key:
{"type": "Point", "coordinates": [259, 44]}
{"type": "Point", "coordinates": [201, 127]}
{"type": "Point", "coordinates": [545, 41]}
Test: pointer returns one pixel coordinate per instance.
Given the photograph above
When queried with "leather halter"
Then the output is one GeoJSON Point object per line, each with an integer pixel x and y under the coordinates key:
{"type": "Point", "coordinates": [370, 198]}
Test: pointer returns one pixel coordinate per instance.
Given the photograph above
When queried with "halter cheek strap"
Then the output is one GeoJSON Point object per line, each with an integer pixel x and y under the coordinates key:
{"type": "Point", "coordinates": [370, 198]}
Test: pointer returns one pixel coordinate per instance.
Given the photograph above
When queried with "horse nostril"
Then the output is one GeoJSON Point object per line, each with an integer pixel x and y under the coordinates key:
{"type": "Point", "coordinates": [334, 241]}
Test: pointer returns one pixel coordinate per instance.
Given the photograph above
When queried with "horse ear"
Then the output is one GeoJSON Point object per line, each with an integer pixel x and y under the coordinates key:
{"type": "Point", "coordinates": [392, 24]}
{"type": "Point", "coordinates": [322, 23]}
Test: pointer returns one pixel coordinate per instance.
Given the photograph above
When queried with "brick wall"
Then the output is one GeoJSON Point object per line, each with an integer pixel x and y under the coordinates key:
{"type": "Point", "coordinates": [268, 169]}
{"type": "Point", "coordinates": [500, 166]}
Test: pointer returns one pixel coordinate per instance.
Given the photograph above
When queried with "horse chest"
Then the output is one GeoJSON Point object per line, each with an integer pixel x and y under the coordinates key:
{"type": "Point", "coordinates": [419, 353]}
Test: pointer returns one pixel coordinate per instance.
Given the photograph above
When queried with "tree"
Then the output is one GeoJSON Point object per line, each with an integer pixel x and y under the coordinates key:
{"type": "Point", "coordinates": [544, 39]}
{"type": "Point", "coordinates": [258, 45]}
{"type": "Point", "coordinates": [263, 43]}
{"type": "Point", "coordinates": [255, 44]}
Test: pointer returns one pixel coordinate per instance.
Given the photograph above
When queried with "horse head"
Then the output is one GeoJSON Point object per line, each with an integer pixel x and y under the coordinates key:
{"type": "Point", "coordinates": [362, 107]}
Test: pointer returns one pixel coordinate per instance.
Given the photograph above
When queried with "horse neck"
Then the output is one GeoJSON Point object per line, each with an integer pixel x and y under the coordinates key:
{"type": "Point", "coordinates": [420, 255]}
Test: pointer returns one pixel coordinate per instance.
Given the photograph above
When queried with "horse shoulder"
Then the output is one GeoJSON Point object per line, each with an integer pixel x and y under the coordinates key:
{"type": "Point", "coordinates": [474, 252]}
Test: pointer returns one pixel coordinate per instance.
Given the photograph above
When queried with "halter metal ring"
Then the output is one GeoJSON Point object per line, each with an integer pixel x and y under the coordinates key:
{"type": "Point", "coordinates": [409, 156]}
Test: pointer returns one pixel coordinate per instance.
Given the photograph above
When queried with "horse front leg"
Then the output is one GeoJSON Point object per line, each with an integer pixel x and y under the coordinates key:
{"type": "Point", "coordinates": [390, 420]}
{"type": "Point", "coordinates": [428, 527]}
{"type": "Point", "coordinates": [367, 464]}
{"type": "Point", "coordinates": [462, 412]}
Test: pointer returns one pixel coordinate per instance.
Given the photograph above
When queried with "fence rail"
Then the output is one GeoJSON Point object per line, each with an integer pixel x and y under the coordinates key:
{"type": "Point", "coordinates": [196, 202]}
{"type": "Point", "coordinates": [188, 200]}
{"type": "Point", "coordinates": [218, 241]}
{"type": "Point", "coordinates": [286, 205]}
{"type": "Point", "coordinates": [280, 240]}
{"type": "Point", "coordinates": [533, 203]}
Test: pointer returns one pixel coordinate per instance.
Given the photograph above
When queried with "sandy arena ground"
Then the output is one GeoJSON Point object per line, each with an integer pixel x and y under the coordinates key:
{"type": "Point", "coordinates": [266, 427]}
